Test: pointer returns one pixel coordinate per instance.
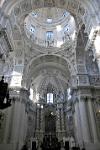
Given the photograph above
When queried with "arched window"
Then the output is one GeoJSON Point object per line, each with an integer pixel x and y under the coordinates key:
{"type": "Point", "coordinates": [32, 29]}
{"type": "Point", "coordinates": [49, 97]}
{"type": "Point", "coordinates": [49, 35]}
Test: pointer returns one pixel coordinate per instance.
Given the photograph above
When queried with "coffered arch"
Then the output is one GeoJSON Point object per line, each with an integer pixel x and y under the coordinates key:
{"type": "Point", "coordinates": [47, 65]}
{"type": "Point", "coordinates": [20, 9]}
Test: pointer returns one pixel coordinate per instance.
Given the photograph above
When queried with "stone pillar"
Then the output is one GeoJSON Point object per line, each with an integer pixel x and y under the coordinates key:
{"type": "Point", "coordinates": [62, 119]}
{"type": "Point", "coordinates": [58, 122]}
{"type": "Point", "coordinates": [8, 125]}
{"type": "Point", "coordinates": [92, 120]}
{"type": "Point", "coordinates": [98, 62]}
{"type": "Point", "coordinates": [37, 119]}
{"type": "Point", "coordinates": [15, 123]}
{"type": "Point", "coordinates": [77, 121]}
{"type": "Point", "coordinates": [1, 67]}
{"type": "Point", "coordinates": [84, 120]}
{"type": "Point", "coordinates": [19, 122]}
{"type": "Point", "coordinates": [42, 122]}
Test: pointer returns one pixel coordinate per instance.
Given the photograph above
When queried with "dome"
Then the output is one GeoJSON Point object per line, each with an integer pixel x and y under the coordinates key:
{"type": "Point", "coordinates": [50, 27]}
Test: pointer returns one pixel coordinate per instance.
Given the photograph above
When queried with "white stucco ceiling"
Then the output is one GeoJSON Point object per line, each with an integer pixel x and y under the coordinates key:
{"type": "Point", "coordinates": [17, 12]}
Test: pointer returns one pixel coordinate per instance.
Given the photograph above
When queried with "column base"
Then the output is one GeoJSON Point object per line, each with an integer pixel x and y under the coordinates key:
{"type": "Point", "coordinates": [11, 146]}
{"type": "Point", "coordinates": [92, 146]}
{"type": "Point", "coordinates": [6, 146]}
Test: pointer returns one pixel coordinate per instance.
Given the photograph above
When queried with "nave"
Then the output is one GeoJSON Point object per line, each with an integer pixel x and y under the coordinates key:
{"type": "Point", "coordinates": [49, 74]}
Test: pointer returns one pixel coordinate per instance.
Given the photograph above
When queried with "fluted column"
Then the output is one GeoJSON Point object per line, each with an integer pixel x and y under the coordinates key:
{"type": "Point", "coordinates": [42, 121]}
{"type": "Point", "coordinates": [92, 120]}
{"type": "Point", "coordinates": [15, 123]}
{"type": "Point", "coordinates": [84, 120]}
{"type": "Point", "coordinates": [18, 127]}
{"type": "Point", "coordinates": [78, 127]}
{"type": "Point", "coordinates": [62, 119]}
{"type": "Point", "coordinates": [58, 120]}
{"type": "Point", "coordinates": [1, 67]}
{"type": "Point", "coordinates": [98, 62]}
{"type": "Point", "coordinates": [37, 119]}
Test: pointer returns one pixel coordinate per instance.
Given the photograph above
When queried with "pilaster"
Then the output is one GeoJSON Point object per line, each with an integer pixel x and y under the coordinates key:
{"type": "Point", "coordinates": [17, 119]}
{"type": "Point", "coordinates": [84, 120]}
{"type": "Point", "coordinates": [92, 120]}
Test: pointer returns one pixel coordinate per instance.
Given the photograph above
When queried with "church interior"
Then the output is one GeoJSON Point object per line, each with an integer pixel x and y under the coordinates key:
{"type": "Point", "coordinates": [49, 74]}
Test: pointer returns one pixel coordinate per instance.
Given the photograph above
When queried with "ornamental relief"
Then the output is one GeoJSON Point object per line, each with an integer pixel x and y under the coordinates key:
{"type": "Point", "coordinates": [94, 80]}
{"type": "Point", "coordinates": [85, 92]}
{"type": "Point", "coordinates": [67, 53]}
{"type": "Point", "coordinates": [49, 3]}
{"type": "Point", "coordinates": [16, 34]}
{"type": "Point", "coordinates": [17, 11]}
{"type": "Point", "coordinates": [83, 80]}
{"type": "Point", "coordinates": [81, 10]}
{"type": "Point", "coordinates": [81, 69]}
{"type": "Point", "coordinates": [37, 2]}
{"type": "Point", "coordinates": [26, 5]}
{"type": "Point", "coordinates": [71, 6]}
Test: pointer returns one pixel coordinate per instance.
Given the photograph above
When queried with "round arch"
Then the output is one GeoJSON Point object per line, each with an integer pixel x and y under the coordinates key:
{"type": "Point", "coordinates": [37, 65]}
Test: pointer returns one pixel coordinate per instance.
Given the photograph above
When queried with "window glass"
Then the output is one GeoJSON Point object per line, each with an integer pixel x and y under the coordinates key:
{"type": "Point", "coordinates": [49, 97]}
{"type": "Point", "coordinates": [49, 35]}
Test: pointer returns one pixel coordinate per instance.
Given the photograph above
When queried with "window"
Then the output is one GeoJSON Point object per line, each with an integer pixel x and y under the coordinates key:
{"type": "Point", "coordinates": [31, 94]}
{"type": "Point", "coordinates": [49, 35]}
{"type": "Point", "coordinates": [49, 97]}
{"type": "Point", "coordinates": [66, 29]}
{"type": "Point", "coordinates": [34, 14]}
{"type": "Point", "coordinates": [49, 20]}
{"type": "Point", "coordinates": [65, 13]}
{"type": "Point", "coordinates": [59, 28]}
{"type": "Point", "coordinates": [32, 29]}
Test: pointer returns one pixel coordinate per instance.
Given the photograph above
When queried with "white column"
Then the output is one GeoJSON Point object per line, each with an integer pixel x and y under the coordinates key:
{"type": "Point", "coordinates": [98, 61]}
{"type": "Point", "coordinates": [84, 120]}
{"type": "Point", "coordinates": [22, 129]}
{"type": "Point", "coordinates": [8, 124]}
{"type": "Point", "coordinates": [16, 123]}
{"type": "Point", "coordinates": [92, 121]}
{"type": "Point", "coordinates": [78, 128]}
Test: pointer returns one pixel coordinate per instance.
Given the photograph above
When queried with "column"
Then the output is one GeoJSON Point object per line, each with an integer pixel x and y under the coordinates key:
{"type": "Point", "coordinates": [19, 116]}
{"type": "Point", "coordinates": [8, 125]}
{"type": "Point", "coordinates": [37, 119]}
{"type": "Point", "coordinates": [84, 120]}
{"type": "Point", "coordinates": [98, 61]}
{"type": "Point", "coordinates": [58, 122]}
{"type": "Point", "coordinates": [41, 123]}
{"type": "Point", "coordinates": [92, 120]}
{"type": "Point", "coordinates": [1, 67]}
{"type": "Point", "coordinates": [78, 127]}
{"type": "Point", "coordinates": [62, 119]}
{"type": "Point", "coordinates": [16, 124]}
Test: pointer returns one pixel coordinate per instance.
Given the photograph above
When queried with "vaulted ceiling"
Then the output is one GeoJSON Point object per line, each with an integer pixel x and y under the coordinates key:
{"type": "Point", "coordinates": [40, 64]}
